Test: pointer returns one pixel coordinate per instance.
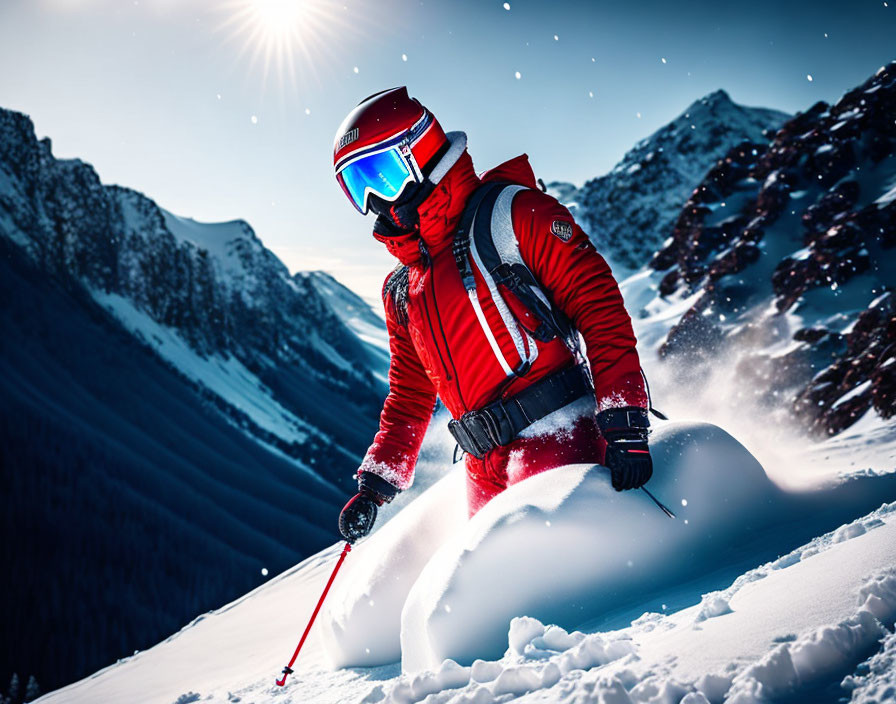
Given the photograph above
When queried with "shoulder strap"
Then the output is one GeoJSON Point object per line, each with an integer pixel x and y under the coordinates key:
{"type": "Point", "coordinates": [461, 246]}
{"type": "Point", "coordinates": [498, 249]}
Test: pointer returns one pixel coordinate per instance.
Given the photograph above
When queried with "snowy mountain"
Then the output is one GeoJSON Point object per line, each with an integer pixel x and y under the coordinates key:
{"type": "Point", "coordinates": [356, 314]}
{"type": "Point", "coordinates": [630, 211]}
{"type": "Point", "coordinates": [781, 262]}
{"type": "Point", "coordinates": [178, 411]}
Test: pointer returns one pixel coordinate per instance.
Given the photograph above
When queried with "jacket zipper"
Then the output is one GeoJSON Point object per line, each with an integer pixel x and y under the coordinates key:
{"type": "Point", "coordinates": [435, 305]}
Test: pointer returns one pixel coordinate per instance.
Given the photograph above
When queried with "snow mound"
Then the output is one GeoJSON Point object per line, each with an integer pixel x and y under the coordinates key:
{"type": "Point", "coordinates": [368, 598]}
{"type": "Point", "coordinates": [565, 548]}
{"type": "Point", "coordinates": [812, 658]}
{"type": "Point", "coordinates": [878, 683]}
{"type": "Point", "coordinates": [662, 658]}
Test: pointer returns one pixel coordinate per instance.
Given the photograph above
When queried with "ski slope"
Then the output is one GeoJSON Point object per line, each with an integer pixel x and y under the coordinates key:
{"type": "Point", "coordinates": [786, 602]}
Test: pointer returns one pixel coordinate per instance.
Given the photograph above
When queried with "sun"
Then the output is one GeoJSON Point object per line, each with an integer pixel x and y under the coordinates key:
{"type": "Point", "coordinates": [286, 38]}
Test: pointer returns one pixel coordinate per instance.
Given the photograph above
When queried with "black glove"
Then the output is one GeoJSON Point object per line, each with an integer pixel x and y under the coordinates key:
{"type": "Point", "coordinates": [628, 457]}
{"type": "Point", "coordinates": [359, 514]}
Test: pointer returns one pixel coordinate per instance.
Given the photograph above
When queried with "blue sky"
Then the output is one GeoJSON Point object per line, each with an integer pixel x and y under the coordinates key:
{"type": "Point", "coordinates": [171, 97]}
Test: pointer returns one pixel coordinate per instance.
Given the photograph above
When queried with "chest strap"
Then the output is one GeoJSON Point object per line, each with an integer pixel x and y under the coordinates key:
{"type": "Point", "coordinates": [499, 423]}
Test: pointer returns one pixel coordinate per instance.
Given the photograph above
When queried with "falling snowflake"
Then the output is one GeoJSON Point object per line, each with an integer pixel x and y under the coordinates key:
{"type": "Point", "coordinates": [590, 93]}
{"type": "Point", "coordinates": [518, 75]}
{"type": "Point", "coordinates": [592, 59]}
{"type": "Point", "coordinates": [684, 502]}
{"type": "Point", "coordinates": [355, 69]}
{"type": "Point", "coordinates": [556, 38]}
{"type": "Point", "coordinates": [809, 77]}
{"type": "Point", "coordinates": [307, 111]}
{"type": "Point", "coordinates": [218, 96]}
{"type": "Point", "coordinates": [264, 571]}
{"type": "Point", "coordinates": [404, 57]}
{"type": "Point", "coordinates": [254, 119]}
{"type": "Point", "coordinates": [638, 115]}
{"type": "Point", "coordinates": [663, 59]}
{"type": "Point", "coordinates": [507, 6]}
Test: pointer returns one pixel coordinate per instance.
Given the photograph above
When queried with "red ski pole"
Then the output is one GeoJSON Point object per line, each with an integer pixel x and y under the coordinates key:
{"type": "Point", "coordinates": [287, 671]}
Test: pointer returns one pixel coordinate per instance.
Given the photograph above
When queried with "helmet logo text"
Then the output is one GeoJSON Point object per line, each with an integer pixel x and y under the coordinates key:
{"type": "Point", "coordinates": [348, 137]}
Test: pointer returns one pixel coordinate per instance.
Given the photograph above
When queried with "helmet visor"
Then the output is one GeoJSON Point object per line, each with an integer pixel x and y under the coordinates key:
{"type": "Point", "coordinates": [384, 173]}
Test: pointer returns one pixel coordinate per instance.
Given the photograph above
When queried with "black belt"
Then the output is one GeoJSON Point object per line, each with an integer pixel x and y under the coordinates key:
{"type": "Point", "coordinates": [499, 423]}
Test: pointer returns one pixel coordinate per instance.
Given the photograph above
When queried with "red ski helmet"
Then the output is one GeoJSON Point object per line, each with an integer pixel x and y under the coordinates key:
{"type": "Point", "coordinates": [387, 142]}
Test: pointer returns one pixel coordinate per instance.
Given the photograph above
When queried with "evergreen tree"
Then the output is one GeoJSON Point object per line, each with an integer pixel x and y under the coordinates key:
{"type": "Point", "coordinates": [14, 687]}
{"type": "Point", "coordinates": [32, 690]}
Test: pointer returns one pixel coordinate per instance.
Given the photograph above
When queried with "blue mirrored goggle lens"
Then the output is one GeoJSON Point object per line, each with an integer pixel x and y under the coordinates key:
{"type": "Point", "coordinates": [384, 173]}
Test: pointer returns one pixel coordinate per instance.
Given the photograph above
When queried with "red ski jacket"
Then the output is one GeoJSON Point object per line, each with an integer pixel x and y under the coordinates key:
{"type": "Point", "coordinates": [441, 348]}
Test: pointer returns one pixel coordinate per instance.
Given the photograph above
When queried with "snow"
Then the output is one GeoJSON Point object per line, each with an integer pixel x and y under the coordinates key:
{"type": "Point", "coordinates": [508, 561]}
{"type": "Point", "coordinates": [878, 684]}
{"type": "Point", "coordinates": [357, 315]}
{"type": "Point", "coordinates": [232, 246]}
{"type": "Point", "coordinates": [226, 377]}
{"type": "Point", "coordinates": [561, 421]}
{"type": "Point", "coordinates": [370, 597]}
{"type": "Point", "coordinates": [514, 625]}
{"type": "Point", "coordinates": [393, 575]}
{"type": "Point", "coordinates": [887, 197]}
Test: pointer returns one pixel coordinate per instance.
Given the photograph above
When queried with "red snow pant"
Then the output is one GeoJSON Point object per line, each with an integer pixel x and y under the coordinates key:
{"type": "Point", "coordinates": [526, 457]}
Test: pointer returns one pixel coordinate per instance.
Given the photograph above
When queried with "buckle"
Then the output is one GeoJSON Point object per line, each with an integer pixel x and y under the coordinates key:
{"type": "Point", "coordinates": [617, 419]}
{"type": "Point", "coordinates": [504, 274]}
{"type": "Point", "coordinates": [499, 424]}
{"type": "Point", "coordinates": [633, 418]}
{"type": "Point", "coordinates": [467, 439]}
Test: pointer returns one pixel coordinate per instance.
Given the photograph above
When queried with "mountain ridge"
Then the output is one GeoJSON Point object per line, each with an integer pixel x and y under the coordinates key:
{"type": "Point", "coordinates": [174, 402]}
{"type": "Point", "coordinates": [628, 211]}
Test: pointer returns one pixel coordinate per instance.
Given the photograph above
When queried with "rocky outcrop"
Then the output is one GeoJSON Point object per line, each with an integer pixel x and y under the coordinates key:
{"type": "Point", "coordinates": [808, 223]}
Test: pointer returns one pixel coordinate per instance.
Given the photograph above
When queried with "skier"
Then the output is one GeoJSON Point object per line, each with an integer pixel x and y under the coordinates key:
{"type": "Point", "coordinates": [496, 281]}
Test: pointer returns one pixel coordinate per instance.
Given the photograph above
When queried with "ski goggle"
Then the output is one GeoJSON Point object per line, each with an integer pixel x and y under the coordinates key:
{"type": "Point", "coordinates": [382, 170]}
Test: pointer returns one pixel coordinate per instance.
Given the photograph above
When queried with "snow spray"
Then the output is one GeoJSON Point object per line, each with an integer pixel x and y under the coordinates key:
{"type": "Point", "coordinates": [287, 671]}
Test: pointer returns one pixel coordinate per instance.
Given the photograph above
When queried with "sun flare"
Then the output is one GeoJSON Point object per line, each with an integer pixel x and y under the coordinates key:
{"type": "Point", "coordinates": [286, 37]}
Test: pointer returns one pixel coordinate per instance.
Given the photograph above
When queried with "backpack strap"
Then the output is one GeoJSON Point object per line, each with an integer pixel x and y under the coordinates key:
{"type": "Point", "coordinates": [486, 236]}
{"type": "Point", "coordinates": [500, 252]}
{"type": "Point", "coordinates": [461, 245]}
